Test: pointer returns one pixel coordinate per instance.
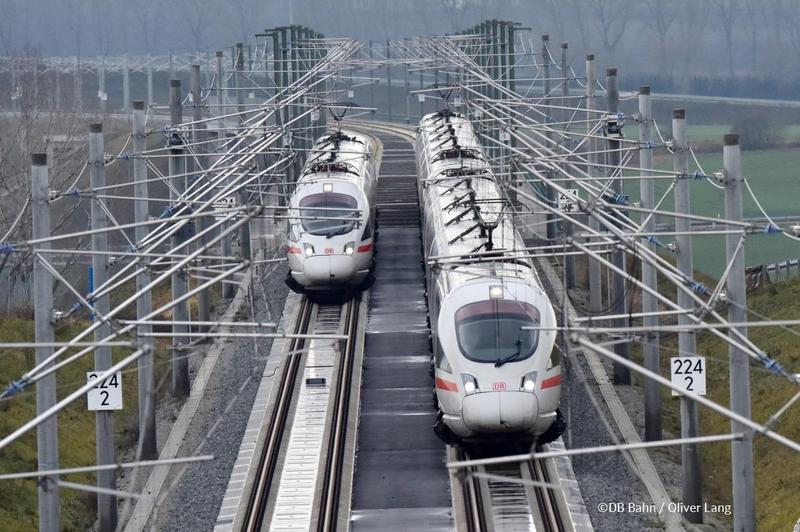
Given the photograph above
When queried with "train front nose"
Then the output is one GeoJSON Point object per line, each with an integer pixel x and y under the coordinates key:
{"type": "Point", "coordinates": [500, 411]}
{"type": "Point", "coordinates": [329, 269]}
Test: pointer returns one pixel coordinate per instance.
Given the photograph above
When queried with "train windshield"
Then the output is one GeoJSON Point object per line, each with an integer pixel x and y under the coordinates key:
{"type": "Point", "coordinates": [491, 331]}
{"type": "Point", "coordinates": [328, 213]}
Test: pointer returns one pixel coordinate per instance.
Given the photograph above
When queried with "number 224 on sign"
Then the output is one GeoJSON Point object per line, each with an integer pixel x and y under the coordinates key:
{"type": "Point", "coordinates": [106, 395]}
{"type": "Point", "coordinates": [688, 374]}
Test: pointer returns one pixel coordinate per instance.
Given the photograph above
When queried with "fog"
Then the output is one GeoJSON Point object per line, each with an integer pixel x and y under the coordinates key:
{"type": "Point", "coordinates": [685, 45]}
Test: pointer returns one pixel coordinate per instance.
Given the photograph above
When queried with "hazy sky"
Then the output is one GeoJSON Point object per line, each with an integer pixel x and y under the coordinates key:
{"type": "Point", "coordinates": [676, 38]}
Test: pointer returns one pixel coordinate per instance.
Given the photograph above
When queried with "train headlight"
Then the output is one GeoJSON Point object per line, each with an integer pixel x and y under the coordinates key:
{"type": "Point", "coordinates": [528, 383]}
{"type": "Point", "coordinates": [308, 249]}
{"type": "Point", "coordinates": [470, 383]}
{"type": "Point", "coordinates": [349, 248]}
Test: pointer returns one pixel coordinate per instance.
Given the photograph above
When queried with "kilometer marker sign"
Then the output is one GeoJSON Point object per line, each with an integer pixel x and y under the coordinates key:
{"type": "Point", "coordinates": [688, 374]}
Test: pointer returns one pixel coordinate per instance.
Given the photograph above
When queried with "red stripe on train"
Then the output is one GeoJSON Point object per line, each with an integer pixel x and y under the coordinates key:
{"type": "Point", "coordinates": [365, 247]}
{"type": "Point", "coordinates": [552, 381]}
{"type": "Point", "coordinates": [294, 250]}
{"type": "Point", "coordinates": [446, 385]}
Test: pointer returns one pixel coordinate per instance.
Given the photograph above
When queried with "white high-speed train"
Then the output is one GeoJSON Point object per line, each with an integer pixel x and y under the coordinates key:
{"type": "Point", "coordinates": [331, 230]}
{"type": "Point", "coordinates": [497, 375]}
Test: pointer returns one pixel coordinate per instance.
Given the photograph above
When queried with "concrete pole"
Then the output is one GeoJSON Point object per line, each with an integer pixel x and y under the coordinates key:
{"type": "Point", "coordinates": [220, 89]}
{"type": "Point", "coordinates": [238, 81]}
{"type": "Point", "coordinates": [502, 37]}
{"type": "Point", "coordinates": [595, 272]}
{"type": "Point", "coordinates": [652, 391]}
{"type": "Point", "coordinates": [495, 59]}
{"type": "Point", "coordinates": [180, 280]}
{"type": "Point", "coordinates": [285, 70]}
{"type": "Point", "coordinates": [244, 197]}
{"type": "Point", "coordinates": [408, 93]}
{"type": "Point", "coordinates": [104, 420]}
{"type": "Point", "coordinates": [207, 71]}
{"type": "Point", "coordinates": [741, 451]}
{"type": "Point", "coordinates": [47, 431]}
{"type": "Point", "coordinates": [618, 296]}
{"type": "Point", "coordinates": [551, 198]}
{"type": "Point", "coordinates": [101, 87]}
{"type": "Point", "coordinates": [78, 87]}
{"type": "Point", "coordinates": [568, 227]}
{"type": "Point", "coordinates": [512, 74]}
{"type": "Point", "coordinates": [225, 243]}
{"type": "Point", "coordinates": [58, 92]}
{"type": "Point", "coordinates": [292, 67]}
{"type": "Point", "coordinates": [144, 305]}
{"type": "Point", "coordinates": [371, 85]}
{"type": "Point", "coordinates": [126, 87]}
{"type": "Point", "coordinates": [150, 99]}
{"type": "Point", "coordinates": [389, 79]}
{"type": "Point", "coordinates": [687, 341]}
{"type": "Point", "coordinates": [14, 84]}
{"type": "Point", "coordinates": [422, 101]}
{"type": "Point", "coordinates": [292, 77]}
{"type": "Point", "coordinates": [198, 136]}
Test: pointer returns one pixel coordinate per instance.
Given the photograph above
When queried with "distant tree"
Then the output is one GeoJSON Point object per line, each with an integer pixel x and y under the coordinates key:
{"type": "Point", "coordinates": [198, 16]}
{"type": "Point", "coordinates": [455, 11]}
{"type": "Point", "coordinates": [610, 18]}
{"type": "Point", "coordinates": [727, 11]}
{"type": "Point", "coordinates": [754, 10]}
{"type": "Point", "coordinates": [660, 16]}
{"type": "Point", "coordinates": [147, 13]}
{"type": "Point", "coordinates": [756, 133]}
{"type": "Point", "coordinates": [692, 19]}
{"type": "Point", "coordinates": [786, 17]}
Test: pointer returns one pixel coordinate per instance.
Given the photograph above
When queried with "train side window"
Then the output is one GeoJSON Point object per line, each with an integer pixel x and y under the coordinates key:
{"type": "Point", "coordinates": [555, 358]}
{"type": "Point", "coordinates": [441, 360]}
{"type": "Point", "coordinates": [367, 230]}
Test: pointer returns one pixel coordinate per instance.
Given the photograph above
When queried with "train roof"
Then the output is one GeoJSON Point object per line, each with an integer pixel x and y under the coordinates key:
{"type": "Point", "coordinates": [339, 155]}
{"type": "Point", "coordinates": [472, 217]}
{"type": "Point", "coordinates": [450, 136]}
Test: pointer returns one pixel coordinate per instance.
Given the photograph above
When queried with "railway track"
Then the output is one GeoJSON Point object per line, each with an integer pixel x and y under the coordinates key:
{"type": "Point", "coordinates": [510, 498]}
{"type": "Point", "coordinates": [302, 440]}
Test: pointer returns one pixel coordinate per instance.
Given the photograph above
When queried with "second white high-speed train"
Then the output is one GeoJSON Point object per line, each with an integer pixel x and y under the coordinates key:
{"type": "Point", "coordinates": [496, 372]}
{"type": "Point", "coordinates": [332, 215]}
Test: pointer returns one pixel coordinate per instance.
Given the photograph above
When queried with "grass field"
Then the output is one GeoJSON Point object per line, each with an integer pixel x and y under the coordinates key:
{"type": "Point", "coordinates": [774, 176]}
{"type": "Point", "coordinates": [777, 473]}
{"type": "Point", "coordinates": [705, 133]}
{"type": "Point", "coordinates": [18, 498]}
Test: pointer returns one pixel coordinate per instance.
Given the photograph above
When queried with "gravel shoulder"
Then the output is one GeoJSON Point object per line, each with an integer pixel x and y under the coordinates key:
{"type": "Point", "coordinates": [194, 492]}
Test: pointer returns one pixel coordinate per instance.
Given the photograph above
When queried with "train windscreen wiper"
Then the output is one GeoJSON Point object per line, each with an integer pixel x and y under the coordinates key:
{"type": "Point", "coordinates": [512, 356]}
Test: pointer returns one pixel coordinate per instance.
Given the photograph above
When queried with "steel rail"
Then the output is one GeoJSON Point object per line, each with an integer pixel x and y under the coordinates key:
{"type": "Point", "coordinates": [332, 480]}
{"type": "Point", "coordinates": [545, 497]}
{"type": "Point", "coordinates": [267, 464]}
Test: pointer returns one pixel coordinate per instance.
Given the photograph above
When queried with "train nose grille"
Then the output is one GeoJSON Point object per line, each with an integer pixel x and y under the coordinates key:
{"type": "Point", "coordinates": [500, 411]}
{"type": "Point", "coordinates": [329, 269]}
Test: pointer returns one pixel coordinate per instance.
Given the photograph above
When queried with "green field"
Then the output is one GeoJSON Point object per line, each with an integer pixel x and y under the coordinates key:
{"type": "Point", "coordinates": [774, 176]}
{"type": "Point", "coordinates": [777, 478]}
{"type": "Point", "coordinates": [705, 133]}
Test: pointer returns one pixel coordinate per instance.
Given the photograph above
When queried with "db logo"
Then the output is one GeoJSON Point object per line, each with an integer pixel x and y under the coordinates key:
{"type": "Point", "coordinates": [329, 251]}
{"type": "Point", "coordinates": [497, 386]}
